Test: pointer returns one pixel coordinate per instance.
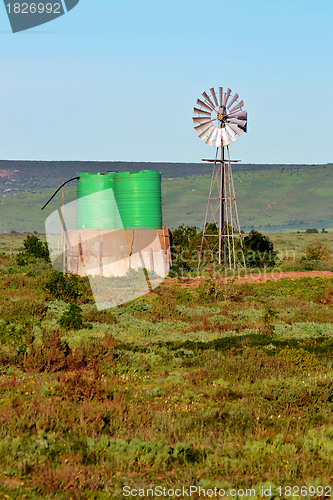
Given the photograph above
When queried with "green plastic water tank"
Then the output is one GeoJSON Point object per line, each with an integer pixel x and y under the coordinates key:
{"type": "Point", "coordinates": [98, 211]}
{"type": "Point", "coordinates": [138, 196]}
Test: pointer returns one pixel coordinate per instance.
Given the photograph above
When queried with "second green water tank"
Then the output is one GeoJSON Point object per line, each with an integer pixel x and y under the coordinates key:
{"type": "Point", "coordinates": [138, 196]}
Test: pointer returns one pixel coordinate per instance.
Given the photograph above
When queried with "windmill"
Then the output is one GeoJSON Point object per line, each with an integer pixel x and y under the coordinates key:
{"type": "Point", "coordinates": [219, 120]}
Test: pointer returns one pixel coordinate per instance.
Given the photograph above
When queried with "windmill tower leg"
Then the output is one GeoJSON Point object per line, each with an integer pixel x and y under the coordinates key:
{"type": "Point", "coordinates": [217, 206]}
{"type": "Point", "coordinates": [210, 197]}
{"type": "Point", "coordinates": [233, 198]}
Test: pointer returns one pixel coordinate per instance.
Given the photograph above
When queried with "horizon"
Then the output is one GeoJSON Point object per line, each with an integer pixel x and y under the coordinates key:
{"type": "Point", "coordinates": [164, 162]}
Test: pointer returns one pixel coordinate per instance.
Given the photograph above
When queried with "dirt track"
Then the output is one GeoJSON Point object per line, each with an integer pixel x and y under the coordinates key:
{"type": "Point", "coordinates": [263, 277]}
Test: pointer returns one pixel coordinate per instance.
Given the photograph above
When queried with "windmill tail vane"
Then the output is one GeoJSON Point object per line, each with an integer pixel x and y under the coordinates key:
{"type": "Point", "coordinates": [219, 120]}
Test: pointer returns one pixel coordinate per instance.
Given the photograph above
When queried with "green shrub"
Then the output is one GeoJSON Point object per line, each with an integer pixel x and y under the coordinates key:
{"type": "Point", "coordinates": [72, 318]}
{"type": "Point", "coordinates": [184, 296]}
{"type": "Point", "coordinates": [23, 309]}
{"type": "Point", "coordinates": [139, 306]}
{"type": "Point", "coordinates": [22, 259]}
{"type": "Point", "coordinates": [317, 251]}
{"type": "Point", "coordinates": [15, 336]}
{"type": "Point", "coordinates": [184, 241]}
{"type": "Point", "coordinates": [106, 316]}
{"type": "Point", "coordinates": [211, 290]}
{"type": "Point", "coordinates": [68, 287]}
{"type": "Point", "coordinates": [34, 247]}
{"type": "Point", "coordinates": [259, 250]}
{"type": "Point", "coordinates": [216, 290]}
{"type": "Point", "coordinates": [269, 314]}
{"type": "Point", "coordinates": [164, 308]}
{"type": "Point", "coordinates": [183, 235]}
{"type": "Point", "coordinates": [300, 358]}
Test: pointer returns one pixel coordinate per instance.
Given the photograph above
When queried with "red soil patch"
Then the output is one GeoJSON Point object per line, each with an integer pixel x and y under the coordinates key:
{"type": "Point", "coordinates": [7, 173]}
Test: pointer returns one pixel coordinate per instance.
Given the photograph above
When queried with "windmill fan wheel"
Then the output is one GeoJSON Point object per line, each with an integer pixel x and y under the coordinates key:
{"type": "Point", "coordinates": [219, 118]}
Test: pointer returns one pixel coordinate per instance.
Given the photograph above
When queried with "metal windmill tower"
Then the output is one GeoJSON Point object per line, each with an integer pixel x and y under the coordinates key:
{"type": "Point", "coordinates": [219, 120]}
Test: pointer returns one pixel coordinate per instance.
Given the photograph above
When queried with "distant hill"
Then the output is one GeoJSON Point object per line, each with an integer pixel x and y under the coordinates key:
{"type": "Point", "coordinates": [270, 197]}
{"type": "Point", "coordinates": [30, 174]}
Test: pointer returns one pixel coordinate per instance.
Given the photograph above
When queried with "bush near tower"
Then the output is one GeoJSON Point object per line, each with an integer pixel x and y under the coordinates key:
{"type": "Point", "coordinates": [259, 250]}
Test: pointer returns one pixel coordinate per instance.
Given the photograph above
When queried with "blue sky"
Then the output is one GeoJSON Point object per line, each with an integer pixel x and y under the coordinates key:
{"type": "Point", "coordinates": [118, 80]}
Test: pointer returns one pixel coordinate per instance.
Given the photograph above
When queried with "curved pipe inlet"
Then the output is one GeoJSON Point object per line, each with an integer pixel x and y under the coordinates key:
{"type": "Point", "coordinates": [70, 180]}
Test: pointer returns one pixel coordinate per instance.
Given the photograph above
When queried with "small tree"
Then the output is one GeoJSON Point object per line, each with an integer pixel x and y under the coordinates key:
{"type": "Point", "coordinates": [183, 235]}
{"type": "Point", "coordinates": [34, 247]}
{"type": "Point", "coordinates": [259, 250]}
{"type": "Point", "coordinates": [317, 251]}
{"type": "Point", "coordinates": [72, 318]}
{"type": "Point", "coordinates": [183, 239]}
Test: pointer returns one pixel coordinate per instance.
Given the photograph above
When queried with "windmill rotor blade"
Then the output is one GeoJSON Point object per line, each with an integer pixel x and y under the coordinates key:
{"type": "Point", "coordinates": [203, 105]}
{"type": "Point", "coordinates": [207, 99]}
{"type": "Point", "coordinates": [197, 111]}
{"type": "Point", "coordinates": [232, 136]}
{"type": "Point", "coordinates": [206, 133]}
{"type": "Point", "coordinates": [226, 97]}
{"type": "Point", "coordinates": [212, 136]}
{"type": "Point", "coordinates": [243, 127]}
{"type": "Point", "coordinates": [220, 94]}
{"type": "Point", "coordinates": [235, 128]}
{"type": "Point", "coordinates": [233, 100]}
{"type": "Point", "coordinates": [225, 138]}
{"type": "Point", "coordinates": [218, 140]}
{"type": "Point", "coordinates": [242, 123]}
{"type": "Point", "coordinates": [239, 114]}
{"type": "Point", "coordinates": [202, 127]}
{"type": "Point", "coordinates": [199, 119]}
{"type": "Point", "coordinates": [239, 105]}
{"type": "Point", "coordinates": [214, 96]}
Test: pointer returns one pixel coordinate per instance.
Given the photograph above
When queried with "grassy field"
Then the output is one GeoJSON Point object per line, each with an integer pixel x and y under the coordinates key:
{"type": "Point", "coordinates": [211, 386]}
{"type": "Point", "coordinates": [270, 199]}
{"type": "Point", "coordinates": [292, 245]}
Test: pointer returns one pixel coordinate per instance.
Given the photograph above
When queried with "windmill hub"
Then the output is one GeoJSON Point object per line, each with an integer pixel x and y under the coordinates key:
{"type": "Point", "coordinates": [221, 114]}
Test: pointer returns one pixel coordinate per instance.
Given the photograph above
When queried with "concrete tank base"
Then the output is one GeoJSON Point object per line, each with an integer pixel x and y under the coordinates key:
{"type": "Point", "coordinates": [111, 253]}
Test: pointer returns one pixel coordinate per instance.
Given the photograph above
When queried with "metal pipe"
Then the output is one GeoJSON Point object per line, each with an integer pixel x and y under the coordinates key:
{"type": "Point", "coordinates": [63, 184]}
